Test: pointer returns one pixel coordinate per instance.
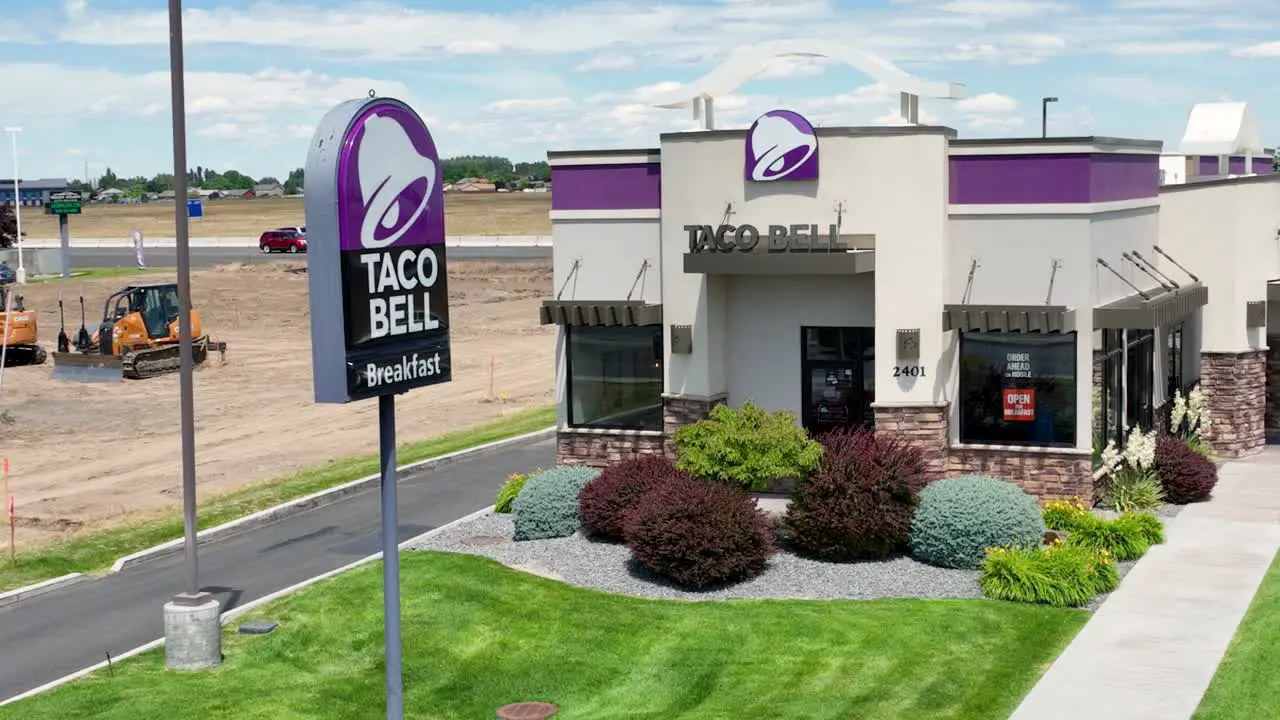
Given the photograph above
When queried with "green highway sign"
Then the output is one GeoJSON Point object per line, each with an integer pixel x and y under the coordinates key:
{"type": "Point", "coordinates": [64, 203]}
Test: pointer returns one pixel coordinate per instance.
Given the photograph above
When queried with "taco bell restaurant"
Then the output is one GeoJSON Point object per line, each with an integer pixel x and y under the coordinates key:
{"type": "Point", "coordinates": [1007, 304]}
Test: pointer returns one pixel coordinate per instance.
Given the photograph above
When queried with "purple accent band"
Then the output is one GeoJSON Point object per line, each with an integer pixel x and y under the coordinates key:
{"type": "Point", "coordinates": [1058, 178]}
{"type": "Point", "coordinates": [1263, 166]}
{"type": "Point", "coordinates": [632, 186]}
{"type": "Point", "coordinates": [1208, 165]}
{"type": "Point", "coordinates": [394, 173]}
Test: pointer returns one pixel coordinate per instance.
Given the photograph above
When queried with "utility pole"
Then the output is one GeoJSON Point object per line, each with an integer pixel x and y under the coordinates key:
{"type": "Point", "coordinates": [1044, 115]}
{"type": "Point", "coordinates": [17, 201]}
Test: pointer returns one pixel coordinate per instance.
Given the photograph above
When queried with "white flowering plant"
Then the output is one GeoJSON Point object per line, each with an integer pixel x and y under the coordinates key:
{"type": "Point", "coordinates": [1131, 484]}
{"type": "Point", "coordinates": [1189, 419]}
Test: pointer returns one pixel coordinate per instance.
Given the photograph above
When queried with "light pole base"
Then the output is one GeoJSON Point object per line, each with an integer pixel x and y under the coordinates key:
{"type": "Point", "coordinates": [192, 635]}
{"type": "Point", "coordinates": [21, 275]}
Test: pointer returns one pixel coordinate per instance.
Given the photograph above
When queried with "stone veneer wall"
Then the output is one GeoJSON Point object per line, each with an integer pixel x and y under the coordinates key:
{"type": "Point", "coordinates": [1096, 404]}
{"type": "Point", "coordinates": [1046, 473]}
{"type": "Point", "coordinates": [925, 426]}
{"type": "Point", "coordinates": [1235, 393]}
{"type": "Point", "coordinates": [1273, 385]}
{"type": "Point", "coordinates": [600, 448]}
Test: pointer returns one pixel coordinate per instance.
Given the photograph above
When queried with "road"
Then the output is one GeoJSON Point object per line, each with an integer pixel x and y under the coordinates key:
{"type": "Point", "coordinates": [74, 628]}
{"type": "Point", "coordinates": [205, 257]}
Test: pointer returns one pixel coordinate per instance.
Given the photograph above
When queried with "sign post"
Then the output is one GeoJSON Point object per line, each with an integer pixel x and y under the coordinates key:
{"type": "Point", "coordinates": [377, 277]}
{"type": "Point", "coordinates": [63, 204]}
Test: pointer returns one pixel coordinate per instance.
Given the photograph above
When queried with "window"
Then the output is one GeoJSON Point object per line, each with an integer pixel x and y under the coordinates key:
{"type": "Point", "coordinates": [1139, 378]}
{"type": "Point", "coordinates": [1112, 388]}
{"type": "Point", "coordinates": [615, 377]}
{"type": "Point", "coordinates": [1018, 389]}
{"type": "Point", "coordinates": [838, 377]}
{"type": "Point", "coordinates": [1174, 363]}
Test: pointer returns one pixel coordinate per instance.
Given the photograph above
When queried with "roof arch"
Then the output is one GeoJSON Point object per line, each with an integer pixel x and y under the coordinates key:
{"type": "Point", "coordinates": [1221, 128]}
{"type": "Point", "coordinates": [748, 61]}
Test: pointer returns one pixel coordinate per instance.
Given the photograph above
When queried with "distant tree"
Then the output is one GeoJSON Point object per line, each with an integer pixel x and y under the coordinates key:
{"type": "Point", "coordinates": [496, 169]}
{"type": "Point", "coordinates": [160, 183]}
{"type": "Point", "coordinates": [109, 181]}
{"type": "Point", "coordinates": [8, 227]}
{"type": "Point", "coordinates": [79, 186]}
{"type": "Point", "coordinates": [268, 180]}
{"type": "Point", "coordinates": [295, 182]}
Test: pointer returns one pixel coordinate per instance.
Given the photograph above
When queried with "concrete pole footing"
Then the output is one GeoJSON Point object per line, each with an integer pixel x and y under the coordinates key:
{"type": "Point", "coordinates": [192, 635]}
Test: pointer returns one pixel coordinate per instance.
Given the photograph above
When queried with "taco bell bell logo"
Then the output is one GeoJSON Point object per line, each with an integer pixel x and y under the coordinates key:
{"type": "Point", "coordinates": [781, 145]}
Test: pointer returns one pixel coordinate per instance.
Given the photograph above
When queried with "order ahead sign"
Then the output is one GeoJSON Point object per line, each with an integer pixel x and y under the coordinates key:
{"type": "Point", "coordinates": [376, 256]}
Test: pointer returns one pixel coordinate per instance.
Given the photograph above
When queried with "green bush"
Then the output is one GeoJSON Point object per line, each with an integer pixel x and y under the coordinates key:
{"type": "Point", "coordinates": [959, 518]}
{"type": "Point", "coordinates": [547, 507]}
{"type": "Point", "coordinates": [1132, 490]}
{"type": "Point", "coordinates": [1065, 515]}
{"type": "Point", "coordinates": [749, 447]}
{"type": "Point", "coordinates": [1060, 575]}
{"type": "Point", "coordinates": [1128, 537]}
{"type": "Point", "coordinates": [510, 489]}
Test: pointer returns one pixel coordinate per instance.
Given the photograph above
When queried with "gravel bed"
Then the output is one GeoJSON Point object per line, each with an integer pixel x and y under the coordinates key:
{"type": "Point", "coordinates": [587, 563]}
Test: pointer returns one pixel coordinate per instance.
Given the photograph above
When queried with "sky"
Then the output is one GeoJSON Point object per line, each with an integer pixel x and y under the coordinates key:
{"type": "Point", "coordinates": [88, 80]}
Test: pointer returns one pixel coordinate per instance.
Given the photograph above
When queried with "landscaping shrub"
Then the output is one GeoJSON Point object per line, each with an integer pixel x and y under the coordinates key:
{"type": "Point", "coordinates": [958, 518]}
{"type": "Point", "coordinates": [749, 447]}
{"type": "Point", "coordinates": [1128, 537]}
{"type": "Point", "coordinates": [1065, 515]}
{"type": "Point", "coordinates": [606, 500]}
{"type": "Point", "coordinates": [547, 507]}
{"type": "Point", "coordinates": [1133, 492]}
{"type": "Point", "coordinates": [699, 534]}
{"type": "Point", "coordinates": [509, 490]}
{"type": "Point", "coordinates": [1187, 476]}
{"type": "Point", "coordinates": [1060, 575]}
{"type": "Point", "coordinates": [860, 501]}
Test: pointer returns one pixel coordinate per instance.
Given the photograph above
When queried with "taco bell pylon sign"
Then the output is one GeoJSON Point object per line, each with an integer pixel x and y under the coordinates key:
{"type": "Point", "coordinates": [781, 145]}
{"type": "Point", "coordinates": [377, 272]}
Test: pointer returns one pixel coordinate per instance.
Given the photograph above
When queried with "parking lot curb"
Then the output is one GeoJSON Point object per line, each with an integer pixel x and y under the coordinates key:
{"type": "Point", "coordinates": [318, 500]}
{"type": "Point", "coordinates": [15, 597]}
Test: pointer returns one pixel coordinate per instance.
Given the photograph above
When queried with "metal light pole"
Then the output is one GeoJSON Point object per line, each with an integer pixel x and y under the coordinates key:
{"type": "Point", "coordinates": [192, 631]}
{"type": "Point", "coordinates": [1044, 115]}
{"type": "Point", "coordinates": [17, 199]}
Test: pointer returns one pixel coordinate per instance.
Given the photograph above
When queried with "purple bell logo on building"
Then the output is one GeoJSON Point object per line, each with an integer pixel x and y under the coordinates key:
{"type": "Point", "coordinates": [781, 145]}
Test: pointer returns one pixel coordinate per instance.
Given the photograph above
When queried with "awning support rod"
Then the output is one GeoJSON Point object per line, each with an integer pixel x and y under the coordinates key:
{"type": "Point", "coordinates": [643, 267]}
{"type": "Point", "coordinates": [572, 271]}
{"type": "Point", "coordinates": [1145, 271]}
{"type": "Point", "coordinates": [1175, 262]}
{"type": "Point", "coordinates": [1151, 266]}
{"type": "Point", "coordinates": [1123, 279]}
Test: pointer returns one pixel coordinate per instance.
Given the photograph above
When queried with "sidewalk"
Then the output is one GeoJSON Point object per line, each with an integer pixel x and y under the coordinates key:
{"type": "Point", "coordinates": [1151, 650]}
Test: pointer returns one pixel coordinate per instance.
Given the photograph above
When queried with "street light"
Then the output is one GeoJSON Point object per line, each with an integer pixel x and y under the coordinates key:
{"type": "Point", "coordinates": [1044, 115]}
{"type": "Point", "coordinates": [17, 199]}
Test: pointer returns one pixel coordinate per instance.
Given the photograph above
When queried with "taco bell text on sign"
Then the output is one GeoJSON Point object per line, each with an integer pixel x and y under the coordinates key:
{"type": "Point", "coordinates": [377, 271]}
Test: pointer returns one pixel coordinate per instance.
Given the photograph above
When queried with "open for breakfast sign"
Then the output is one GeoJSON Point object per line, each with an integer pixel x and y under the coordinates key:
{"type": "Point", "coordinates": [1019, 405]}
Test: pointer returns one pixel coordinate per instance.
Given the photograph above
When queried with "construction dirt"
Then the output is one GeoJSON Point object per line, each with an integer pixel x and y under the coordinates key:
{"type": "Point", "coordinates": [88, 455]}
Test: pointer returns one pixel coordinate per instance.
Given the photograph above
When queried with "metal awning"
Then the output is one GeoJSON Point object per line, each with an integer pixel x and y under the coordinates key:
{"type": "Point", "coordinates": [1273, 290]}
{"type": "Point", "coordinates": [789, 263]}
{"type": "Point", "coordinates": [616, 313]}
{"type": "Point", "coordinates": [1009, 318]}
{"type": "Point", "coordinates": [1159, 308]}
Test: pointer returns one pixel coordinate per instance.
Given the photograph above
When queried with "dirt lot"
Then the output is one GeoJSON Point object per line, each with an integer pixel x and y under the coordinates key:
{"type": "Point", "coordinates": [85, 455]}
{"type": "Point", "coordinates": [486, 214]}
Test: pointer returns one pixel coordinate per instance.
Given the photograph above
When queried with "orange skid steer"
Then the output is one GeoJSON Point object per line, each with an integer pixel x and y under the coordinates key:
{"type": "Point", "coordinates": [137, 338]}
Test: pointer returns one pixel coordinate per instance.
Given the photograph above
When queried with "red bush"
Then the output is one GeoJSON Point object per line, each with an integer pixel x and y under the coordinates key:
{"type": "Point", "coordinates": [606, 500]}
{"type": "Point", "coordinates": [860, 502]}
{"type": "Point", "coordinates": [700, 534]}
{"type": "Point", "coordinates": [1186, 475]}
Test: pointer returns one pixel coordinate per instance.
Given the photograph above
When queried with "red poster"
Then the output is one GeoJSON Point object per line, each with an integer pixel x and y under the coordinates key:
{"type": "Point", "coordinates": [1019, 405]}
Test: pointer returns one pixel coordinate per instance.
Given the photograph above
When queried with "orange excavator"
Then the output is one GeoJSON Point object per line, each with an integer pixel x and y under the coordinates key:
{"type": "Point", "coordinates": [137, 338]}
{"type": "Point", "coordinates": [18, 330]}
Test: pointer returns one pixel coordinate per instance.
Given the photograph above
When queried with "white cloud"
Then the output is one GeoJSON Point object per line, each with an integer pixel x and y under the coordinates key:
{"type": "Point", "coordinates": [989, 111]}
{"type": "Point", "coordinates": [1261, 50]}
{"type": "Point", "coordinates": [1003, 8]}
{"type": "Point", "coordinates": [609, 62]}
{"type": "Point", "coordinates": [1172, 47]}
{"type": "Point", "coordinates": [528, 104]}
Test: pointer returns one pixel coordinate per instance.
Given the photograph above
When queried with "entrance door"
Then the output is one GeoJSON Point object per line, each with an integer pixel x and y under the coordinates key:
{"type": "Point", "coordinates": [838, 383]}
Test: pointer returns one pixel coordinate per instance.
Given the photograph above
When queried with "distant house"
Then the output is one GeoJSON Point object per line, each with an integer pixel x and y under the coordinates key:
{"type": "Point", "coordinates": [109, 195]}
{"type": "Point", "coordinates": [268, 190]}
{"type": "Point", "coordinates": [167, 195]}
{"type": "Point", "coordinates": [474, 185]}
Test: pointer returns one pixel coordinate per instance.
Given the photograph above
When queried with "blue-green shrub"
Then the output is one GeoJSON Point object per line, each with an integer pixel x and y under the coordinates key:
{"type": "Point", "coordinates": [959, 518]}
{"type": "Point", "coordinates": [547, 507]}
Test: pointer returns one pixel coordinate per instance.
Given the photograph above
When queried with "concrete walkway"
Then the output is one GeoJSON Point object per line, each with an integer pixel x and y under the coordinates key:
{"type": "Point", "coordinates": [1153, 647]}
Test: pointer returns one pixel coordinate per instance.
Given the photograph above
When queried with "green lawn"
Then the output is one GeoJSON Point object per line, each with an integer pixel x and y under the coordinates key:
{"type": "Point", "coordinates": [478, 635]}
{"type": "Point", "coordinates": [96, 551]}
{"type": "Point", "coordinates": [1247, 683]}
{"type": "Point", "coordinates": [93, 273]}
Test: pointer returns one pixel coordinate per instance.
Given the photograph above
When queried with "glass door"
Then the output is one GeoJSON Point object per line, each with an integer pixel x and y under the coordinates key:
{"type": "Point", "coordinates": [838, 384]}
